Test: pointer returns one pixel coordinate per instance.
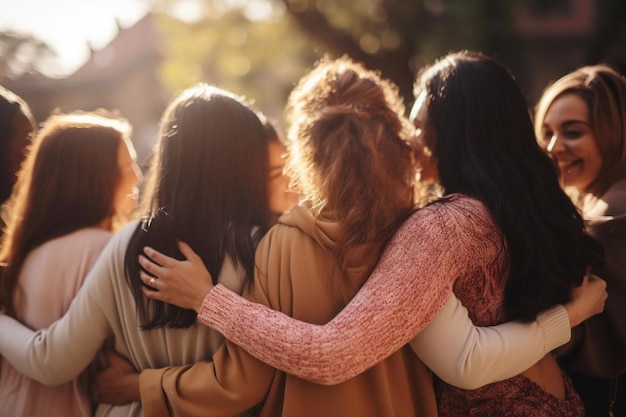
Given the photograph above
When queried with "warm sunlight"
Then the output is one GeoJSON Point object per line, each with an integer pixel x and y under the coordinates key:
{"type": "Point", "coordinates": [70, 26]}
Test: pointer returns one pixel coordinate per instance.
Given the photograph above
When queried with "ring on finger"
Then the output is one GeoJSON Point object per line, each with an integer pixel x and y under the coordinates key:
{"type": "Point", "coordinates": [152, 282]}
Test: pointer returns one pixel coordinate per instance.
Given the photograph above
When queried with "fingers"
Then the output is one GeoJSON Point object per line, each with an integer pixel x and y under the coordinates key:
{"type": "Point", "coordinates": [159, 258]}
{"type": "Point", "coordinates": [116, 359]}
{"type": "Point", "coordinates": [187, 252]}
{"type": "Point", "coordinates": [151, 291]}
{"type": "Point", "coordinates": [597, 279]}
{"type": "Point", "coordinates": [149, 280]}
{"type": "Point", "coordinates": [155, 295]}
{"type": "Point", "coordinates": [586, 277]}
{"type": "Point", "coordinates": [150, 266]}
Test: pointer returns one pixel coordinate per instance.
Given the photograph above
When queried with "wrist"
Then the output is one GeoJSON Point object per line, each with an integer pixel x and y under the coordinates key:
{"type": "Point", "coordinates": [197, 305]}
{"type": "Point", "coordinates": [572, 314]}
{"type": "Point", "coordinates": [132, 381]}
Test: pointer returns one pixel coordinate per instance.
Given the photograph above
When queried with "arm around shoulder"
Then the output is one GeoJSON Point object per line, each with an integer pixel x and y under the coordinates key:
{"type": "Point", "coordinates": [470, 357]}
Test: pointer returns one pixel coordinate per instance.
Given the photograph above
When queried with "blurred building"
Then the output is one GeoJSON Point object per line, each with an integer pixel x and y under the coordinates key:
{"type": "Point", "coordinates": [557, 37]}
{"type": "Point", "coordinates": [120, 76]}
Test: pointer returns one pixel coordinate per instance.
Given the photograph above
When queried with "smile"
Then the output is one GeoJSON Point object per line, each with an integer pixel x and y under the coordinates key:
{"type": "Point", "coordinates": [567, 167]}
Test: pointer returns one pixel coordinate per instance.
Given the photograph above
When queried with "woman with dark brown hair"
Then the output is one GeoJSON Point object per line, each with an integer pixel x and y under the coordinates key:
{"type": "Point", "coordinates": [352, 161]}
{"type": "Point", "coordinates": [210, 183]}
{"type": "Point", "coordinates": [503, 236]}
{"type": "Point", "coordinates": [78, 179]}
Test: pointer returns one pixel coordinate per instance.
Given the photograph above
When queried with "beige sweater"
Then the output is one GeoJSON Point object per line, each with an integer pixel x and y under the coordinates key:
{"type": "Point", "coordinates": [105, 307]}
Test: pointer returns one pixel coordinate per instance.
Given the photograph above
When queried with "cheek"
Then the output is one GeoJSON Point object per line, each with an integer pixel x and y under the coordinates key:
{"type": "Point", "coordinates": [125, 195]}
{"type": "Point", "coordinates": [280, 200]}
{"type": "Point", "coordinates": [595, 161]}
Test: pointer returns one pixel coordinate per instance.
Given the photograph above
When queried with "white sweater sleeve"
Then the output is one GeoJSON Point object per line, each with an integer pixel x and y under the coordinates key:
{"type": "Point", "coordinates": [470, 357]}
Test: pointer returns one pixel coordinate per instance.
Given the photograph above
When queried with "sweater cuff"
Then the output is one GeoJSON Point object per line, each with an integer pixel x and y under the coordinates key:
{"type": "Point", "coordinates": [218, 307]}
{"type": "Point", "coordinates": [153, 397]}
{"type": "Point", "coordinates": [556, 327]}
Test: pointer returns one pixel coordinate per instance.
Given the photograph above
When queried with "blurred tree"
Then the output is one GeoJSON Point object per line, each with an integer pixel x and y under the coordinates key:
{"type": "Point", "coordinates": [246, 47]}
{"type": "Point", "coordinates": [22, 54]}
{"type": "Point", "coordinates": [249, 45]}
{"type": "Point", "coordinates": [398, 37]}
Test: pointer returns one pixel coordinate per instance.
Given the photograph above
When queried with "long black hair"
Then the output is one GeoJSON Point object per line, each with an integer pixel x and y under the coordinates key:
{"type": "Point", "coordinates": [485, 148]}
{"type": "Point", "coordinates": [207, 187]}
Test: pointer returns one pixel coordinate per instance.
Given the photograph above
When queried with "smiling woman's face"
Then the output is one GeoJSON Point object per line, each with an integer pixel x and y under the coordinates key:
{"type": "Point", "coordinates": [568, 136]}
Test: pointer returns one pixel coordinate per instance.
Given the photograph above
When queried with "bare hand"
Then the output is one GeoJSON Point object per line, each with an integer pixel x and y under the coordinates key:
{"type": "Point", "coordinates": [587, 300]}
{"type": "Point", "coordinates": [119, 383]}
{"type": "Point", "coordinates": [182, 283]}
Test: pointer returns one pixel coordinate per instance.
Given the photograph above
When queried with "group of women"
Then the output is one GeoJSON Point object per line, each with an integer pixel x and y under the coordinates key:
{"type": "Point", "coordinates": [354, 296]}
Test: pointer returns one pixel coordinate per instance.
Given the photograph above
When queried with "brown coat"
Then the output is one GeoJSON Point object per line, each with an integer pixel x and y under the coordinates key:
{"type": "Point", "coordinates": [297, 274]}
{"type": "Point", "coordinates": [602, 349]}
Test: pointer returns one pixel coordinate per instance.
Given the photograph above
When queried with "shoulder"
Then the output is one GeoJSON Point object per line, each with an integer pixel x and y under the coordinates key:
{"type": "Point", "coordinates": [615, 199]}
{"type": "Point", "coordinates": [86, 240]}
{"type": "Point", "coordinates": [295, 227]}
{"type": "Point", "coordinates": [451, 212]}
{"type": "Point", "coordinates": [119, 241]}
{"type": "Point", "coordinates": [454, 224]}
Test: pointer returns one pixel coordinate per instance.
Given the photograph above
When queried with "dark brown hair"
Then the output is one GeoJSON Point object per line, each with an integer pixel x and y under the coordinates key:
{"type": "Point", "coordinates": [67, 182]}
{"type": "Point", "coordinates": [207, 186]}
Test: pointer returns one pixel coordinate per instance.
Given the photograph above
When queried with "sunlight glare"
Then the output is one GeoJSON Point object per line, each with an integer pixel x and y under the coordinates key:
{"type": "Point", "coordinates": [189, 11]}
{"type": "Point", "coordinates": [257, 10]}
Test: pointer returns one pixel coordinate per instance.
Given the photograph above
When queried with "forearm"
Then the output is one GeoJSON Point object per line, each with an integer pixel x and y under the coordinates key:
{"type": "Point", "coordinates": [34, 355]}
{"type": "Point", "coordinates": [405, 291]}
{"type": "Point", "coordinates": [13, 347]}
{"type": "Point", "coordinates": [153, 401]}
{"type": "Point", "coordinates": [327, 354]}
{"type": "Point", "coordinates": [230, 385]}
{"type": "Point", "coordinates": [470, 357]}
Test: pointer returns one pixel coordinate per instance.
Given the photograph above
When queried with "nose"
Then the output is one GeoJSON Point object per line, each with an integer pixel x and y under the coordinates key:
{"type": "Point", "coordinates": [138, 173]}
{"type": "Point", "coordinates": [554, 141]}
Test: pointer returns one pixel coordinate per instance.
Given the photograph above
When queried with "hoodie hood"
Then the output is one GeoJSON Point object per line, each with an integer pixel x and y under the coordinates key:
{"type": "Point", "coordinates": [363, 258]}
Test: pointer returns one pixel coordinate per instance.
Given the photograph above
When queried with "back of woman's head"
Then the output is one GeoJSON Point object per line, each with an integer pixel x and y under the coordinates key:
{"type": "Point", "coordinates": [67, 182]}
{"type": "Point", "coordinates": [604, 91]}
{"type": "Point", "coordinates": [11, 108]}
{"type": "Point", "coordinates": [485, 148]}
{"type": "Point", "coordinates": [207, 187]}
{"type": "Point", "coordinates": [349, 155]}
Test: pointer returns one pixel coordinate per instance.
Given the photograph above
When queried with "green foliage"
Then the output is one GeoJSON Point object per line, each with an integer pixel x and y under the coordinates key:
{"type": "Point", "coordinates": [260, 59]}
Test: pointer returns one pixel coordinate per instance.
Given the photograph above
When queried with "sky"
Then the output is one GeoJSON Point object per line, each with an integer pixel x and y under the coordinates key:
{"type": "Point", "coordinates": [69, 26]}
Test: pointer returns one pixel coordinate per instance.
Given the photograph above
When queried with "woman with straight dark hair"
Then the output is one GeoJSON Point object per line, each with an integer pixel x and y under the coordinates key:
{"type": "Point", "coordinates": [79, 176]}
{"type": "Point", "coordinates": [208, 184]}
{"type": "Point", "coordinates": [581, 122]}
{"type": "Point", "coordinates": [504, 237]}
{"type": "Point", "coordinates": [347, 162]}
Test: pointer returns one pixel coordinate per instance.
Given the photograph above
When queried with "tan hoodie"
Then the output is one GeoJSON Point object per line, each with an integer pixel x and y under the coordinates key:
{"type": "Point", "coordinates": [297, 274]}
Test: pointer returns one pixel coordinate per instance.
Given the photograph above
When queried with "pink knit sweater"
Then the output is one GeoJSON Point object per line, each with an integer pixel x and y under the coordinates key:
{"type": "Point", "coordinates": [441, 244]}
